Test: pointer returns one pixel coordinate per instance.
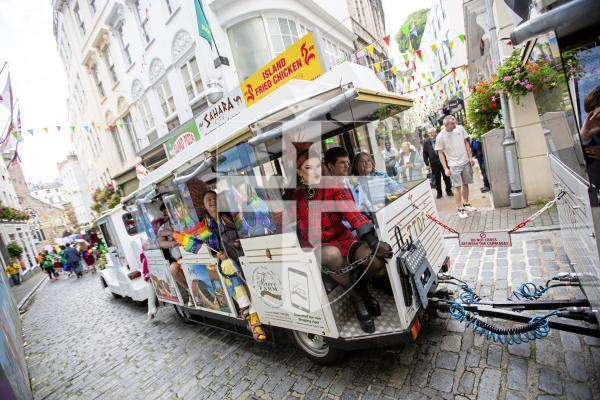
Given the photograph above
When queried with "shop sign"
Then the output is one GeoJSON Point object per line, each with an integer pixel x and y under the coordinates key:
{"type": "Point", "coordinates": [224, 110]}
{"type": "Point", "coordinates": [484, 239]}
{"type": "Point", "coordinates": [183, 137]}
{"type": "Point", "coordinates": [299, 61]}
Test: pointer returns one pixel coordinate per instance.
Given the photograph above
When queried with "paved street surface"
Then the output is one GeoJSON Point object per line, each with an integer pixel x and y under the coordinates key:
{"type": "Point", "coordinates": [84, 344]}
{"type": "Point", "coordinates": [19, 292]}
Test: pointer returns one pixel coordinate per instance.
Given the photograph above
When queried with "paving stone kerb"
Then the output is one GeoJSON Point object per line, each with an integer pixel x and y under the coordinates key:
{"type": "Point", "coordinates": [82, 343]}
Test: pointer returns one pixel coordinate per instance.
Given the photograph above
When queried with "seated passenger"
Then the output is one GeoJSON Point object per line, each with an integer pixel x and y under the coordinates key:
{"type": "Point", "coordinates": [224, 244]}
{"type": "Point", "coordinates": [164, 231]}
{"type": "Point", "coordinates": [334, 244]}
{"type": "Point", "coordinates": [376, 184]}
{"type": "Point", "coordinates": [337, 162]}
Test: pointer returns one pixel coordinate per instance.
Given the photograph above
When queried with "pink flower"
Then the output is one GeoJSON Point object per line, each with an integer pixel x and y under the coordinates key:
{"type": "Point", "coordinates": [498, 91]}
{"type": "Point", "coordinates": [506, 78]}
{"type": "Point", "coordinates": [529, 86]}
{"type": "Point", "coordinates": [572, 70]}
{"type": "Point", "coordinates": [517, 81]}
{"type": "Point", "coordinates": [493, 98]}
{"type": "Point", "coordinates": [518, 69]}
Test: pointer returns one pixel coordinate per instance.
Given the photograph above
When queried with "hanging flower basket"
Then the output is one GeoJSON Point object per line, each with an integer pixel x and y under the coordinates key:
{"type": "Point", "coordinates": [518, 79]}
{"type": "Point", "coordinates": [483, 109]}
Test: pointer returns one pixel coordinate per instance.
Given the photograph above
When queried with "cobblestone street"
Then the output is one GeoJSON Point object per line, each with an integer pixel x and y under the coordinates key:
{"type": "Point", "coordinates": [82, 343]}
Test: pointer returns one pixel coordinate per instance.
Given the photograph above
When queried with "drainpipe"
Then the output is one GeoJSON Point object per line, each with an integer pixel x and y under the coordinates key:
{"type": "Point", "coordinates": [516, 197]}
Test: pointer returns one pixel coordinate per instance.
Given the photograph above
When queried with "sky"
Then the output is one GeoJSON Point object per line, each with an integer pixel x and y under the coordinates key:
{"type": "Point", "coordinates": [39, 82]}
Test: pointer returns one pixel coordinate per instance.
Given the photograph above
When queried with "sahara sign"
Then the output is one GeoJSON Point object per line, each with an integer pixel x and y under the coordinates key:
{"type": "Point", "coordinates": [222, 111]}
{"type": "Point", "coordinates": [183, 137]}
{"type": "Point", "coordinates": [299, 61]}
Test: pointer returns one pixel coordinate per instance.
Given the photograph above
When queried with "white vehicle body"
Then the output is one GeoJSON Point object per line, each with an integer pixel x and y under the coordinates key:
{"type": "Point", "coordinates": [122, 257]}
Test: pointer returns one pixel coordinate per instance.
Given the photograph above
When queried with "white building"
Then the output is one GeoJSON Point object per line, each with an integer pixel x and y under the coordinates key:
{"type": "Point", "coordinates": [8, 195]}
{"type": "Point", "coordinates": [76, 189]}
{"type": "Point", "coordinates": [445, 22]}
{"type": "Point", "coordinates": [48, 192]}
{"type": "Point", "coordinates": [138, 70]}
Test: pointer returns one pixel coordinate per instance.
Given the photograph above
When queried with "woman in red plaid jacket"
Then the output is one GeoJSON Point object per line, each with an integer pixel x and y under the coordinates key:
{"type": "Point", "coordinates": [321, 205]}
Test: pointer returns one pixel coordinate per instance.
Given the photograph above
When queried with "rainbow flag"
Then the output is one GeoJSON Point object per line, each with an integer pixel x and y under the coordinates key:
{"type": "Point", "coordinates": [199, 231]}
{"type": "Point", "coordinates": [188, 242]}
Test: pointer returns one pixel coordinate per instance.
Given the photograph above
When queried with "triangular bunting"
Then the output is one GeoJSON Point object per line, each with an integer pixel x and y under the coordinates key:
{"type": "Point", "coordinates": [418, 51]}
{"type": "Point", "coordinates": [461, 37]}
{"type": "Point", "coordinates": [72, 128]}
{"type": "Point", "coordinates": [30, 131]}
{"type": "Point", "coordinates": [58, 128]}
{"type": "Point", "coordinates": [377, 66]}
{"type": "Point", "coordinates": [434, 48]}
{"type": "Point", "coordinates": [387, 40]}
{"type": "Point", "coordinates": [371, 49]}
{"type": "Point", "coordinates": [45, 129]}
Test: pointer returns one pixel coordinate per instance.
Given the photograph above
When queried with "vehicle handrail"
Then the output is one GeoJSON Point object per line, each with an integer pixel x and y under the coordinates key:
{"type": "Point", "coordinates": [306, 116]}
{"type": "Point", "coordinates": [147, 198]}
{"type": "Point", "coordinates": [206, 165]}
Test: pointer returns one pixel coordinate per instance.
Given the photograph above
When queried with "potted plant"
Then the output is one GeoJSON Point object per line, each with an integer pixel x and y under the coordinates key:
{"type": "Point", "coordinates": [483, 109]}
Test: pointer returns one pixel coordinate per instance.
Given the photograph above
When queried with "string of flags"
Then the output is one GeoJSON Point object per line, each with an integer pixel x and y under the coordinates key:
{"type": "Point", "coordinates": [89, 128]}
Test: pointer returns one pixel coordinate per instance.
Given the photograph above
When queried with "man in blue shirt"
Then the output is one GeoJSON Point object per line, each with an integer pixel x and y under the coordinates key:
{"type": "Point", "coordinates": [72, 258]}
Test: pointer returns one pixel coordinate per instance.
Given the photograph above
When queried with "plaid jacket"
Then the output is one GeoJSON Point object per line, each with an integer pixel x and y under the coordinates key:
{"type": "Point", "coordinates": [320, 219]}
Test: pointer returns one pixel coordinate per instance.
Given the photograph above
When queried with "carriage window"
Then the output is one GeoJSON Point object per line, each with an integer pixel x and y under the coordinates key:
{"type": "Point", "coordinates": [129, 222]}
{"type": "Point", "coordinates": [108, 239]}
{"type": "Point", "coordinates": [249, 187]}
{"type": "Point", "coordinates": [181, 209]}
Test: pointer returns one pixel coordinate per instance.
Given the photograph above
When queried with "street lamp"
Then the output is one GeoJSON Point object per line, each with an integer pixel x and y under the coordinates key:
{"type": "Point", "coordinates": [214, 90]}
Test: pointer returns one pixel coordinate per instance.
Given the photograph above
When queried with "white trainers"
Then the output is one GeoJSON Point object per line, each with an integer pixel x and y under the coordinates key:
{"type": "Point", "coordinates": [462, 214]}
{"type": "Point", "coordinates": [469, 207]}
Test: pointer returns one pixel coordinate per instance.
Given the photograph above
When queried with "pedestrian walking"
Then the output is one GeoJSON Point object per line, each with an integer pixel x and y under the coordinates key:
{"type": "Point", "coordinates": [72, 260]}
{"type": "Point", "coordinates": [434, 166]}
{"type": "Point", "coordinates": [477, 149]}
{"type": "Point", "coordinates": [454, 150]}
{"type": "Point", "coordinates": [14, 271]}
{"type": "Point", "coordinates": [48, 266]}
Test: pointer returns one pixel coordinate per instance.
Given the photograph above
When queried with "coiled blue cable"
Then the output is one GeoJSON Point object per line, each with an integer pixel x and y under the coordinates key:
{"type": "Point", "coordinates": [536, 328]}
{"type": "Point", "coordinates": [530, 291]}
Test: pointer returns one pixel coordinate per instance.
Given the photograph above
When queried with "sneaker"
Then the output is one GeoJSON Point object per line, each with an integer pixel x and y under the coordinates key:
{"type": "Point", "coordinates": [439, 196]}
{"type": "Point", "coordinates": [462, 214]}
{"type": "Point", "coordinates": [469, 207]}
{"type": "Point", "coordinates": [449, 194]}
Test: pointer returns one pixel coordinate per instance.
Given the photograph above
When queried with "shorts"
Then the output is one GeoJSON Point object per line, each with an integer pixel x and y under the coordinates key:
{"type": "Point", "coordinates": [461, 175]}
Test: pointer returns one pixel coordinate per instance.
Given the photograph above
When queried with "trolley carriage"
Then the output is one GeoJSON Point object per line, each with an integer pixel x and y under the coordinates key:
{"type": "Point", "coordinates": [287, 287]}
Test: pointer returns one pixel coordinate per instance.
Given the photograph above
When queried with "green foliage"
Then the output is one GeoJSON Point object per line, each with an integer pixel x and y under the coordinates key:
{"type": "Point", "coordinates": [418, 19]}
{"type": "Point", "coordinates": [483, 109]}
{"type": "Point", "coordinates": [517, 79]}
{"type": "Point", "coordinates": [12, 214]}
{"type": "Point", "coordinates": [105, 199]}
{"type": "Point", "coordinates": [14, 250]}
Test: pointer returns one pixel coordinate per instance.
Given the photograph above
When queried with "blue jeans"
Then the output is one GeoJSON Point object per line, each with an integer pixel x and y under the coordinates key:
{"type": "Point", "coordinates": [16, 279]}
{"type": "Point", "coordinates": [76, 268]}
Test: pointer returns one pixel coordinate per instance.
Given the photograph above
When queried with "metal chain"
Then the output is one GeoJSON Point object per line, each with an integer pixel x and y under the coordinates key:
{"type": "Point", "coordinates": [548, 205]}
{"type": "Point", "coordinates": [350, 267]}
{"type": "Point", "coordinates": [435, 220]}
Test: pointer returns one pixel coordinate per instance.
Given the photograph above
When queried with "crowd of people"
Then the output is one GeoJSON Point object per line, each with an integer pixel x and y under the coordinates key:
{"type": "Point", "coordinates": [70, 259]}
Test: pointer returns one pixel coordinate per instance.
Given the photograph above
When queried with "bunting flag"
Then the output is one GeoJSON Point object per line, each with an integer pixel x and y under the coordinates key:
{"type": "Point", "coordinates": [394, 70]}
{"type": "Point", "coordinates": [353, 58]}
{"type": "Point", "coordinates": [407, 63]}
{"type": "Point", "coordinates": [30, 131]}
{"type": "Point", "coordinates": [461, 37]}
{"type": "Point", "coordinates": [451, 44]}
{"type": "Point", "coordinates": [446, 42]}
{"type": "Point", "coordinates": [371, 49]}
{"type": "Point", "coordinates": [377, 66]}
{"type": "Point", "coordinates": [72, 128]}
{"type": "Point", "coordinates": [121, 124]}
{"type": "Point", "coordinates": [98, 128]}
{"type": "Point", "coordinates": [405, 30]}
{"type": "Point", "coordinates": [434, 48]}
{"type": "Point", "coordinates": [45, 129]}
{"type": "Point", "coordinates": [15, 134]}
{"type": "Point", "coordinates": [423, 75]}
{"type": "Point", "coordinates": [387, 40]}
{"type": "Point", "coordinates": [58, 128]}
{"type": "Point", "coordinates": [405, 56]}
{"type": "Point", "coordinates": [418, 51]}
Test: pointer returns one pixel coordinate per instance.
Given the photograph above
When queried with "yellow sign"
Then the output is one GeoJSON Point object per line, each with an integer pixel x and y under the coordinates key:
{"type": "Point", "coordinates": [299, 61]}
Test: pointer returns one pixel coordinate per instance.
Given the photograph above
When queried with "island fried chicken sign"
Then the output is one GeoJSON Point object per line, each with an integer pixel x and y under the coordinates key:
{"type": "Point", "coordinates": [299, 61]}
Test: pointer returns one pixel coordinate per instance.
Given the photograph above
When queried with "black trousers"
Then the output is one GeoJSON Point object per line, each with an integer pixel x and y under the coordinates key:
{"type": "Point", "coordinates": [438, 174]}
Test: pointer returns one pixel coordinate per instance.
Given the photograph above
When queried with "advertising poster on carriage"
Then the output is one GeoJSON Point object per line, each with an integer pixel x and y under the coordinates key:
{"type": "Point", "coordinates": [290, 296]}
{"type": "Point", "coordinates": [160, 277]}
{"type": "Point", "coordinates": [207, 289]}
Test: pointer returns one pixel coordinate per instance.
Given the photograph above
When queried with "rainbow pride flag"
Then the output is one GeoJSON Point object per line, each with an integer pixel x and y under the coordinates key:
{"type": "Point", "coordinates": [199, 231]}
{"type": "Point", "coordinates": [188, 242]}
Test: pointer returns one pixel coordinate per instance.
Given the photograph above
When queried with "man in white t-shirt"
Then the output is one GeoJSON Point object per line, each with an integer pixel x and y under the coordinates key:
{"type": "Point", "coordinates": [454, 150]}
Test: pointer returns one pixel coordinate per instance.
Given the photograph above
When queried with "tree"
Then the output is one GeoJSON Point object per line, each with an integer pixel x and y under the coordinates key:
{"type": "Point", "coordinates": [418, 19]}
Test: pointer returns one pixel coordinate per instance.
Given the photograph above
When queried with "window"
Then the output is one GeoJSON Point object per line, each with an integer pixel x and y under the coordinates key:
{"type": "Point", "coordinates": [93, 6]}
{"type": "Point", "coordinates": [332, 52]}
{"type": "Point", "coordinates": [124, 44]}
{"type": "Point", "coordinates": [110, 65]}
{"type": "Point", "coordinates": [130, 129]}
{"type": "Point", "coordinates": [129, 222]}
{"type": "Point", "coordinates": [107, 235]}
{"type": "Point", "coordinates": [118, 144]}
{"type": "Point", "coordinates": [199, 106]}
{"type": "Point", "coordinates": [171, 6]}
{"type": "Point", "coordinates": [146, 113]}
{"type": "Point", "coordinates": [81, 94]}
{"type": "Point", "coordinates": [97, 81]}
{"type": "Point", "coordinates": [191, 78]}
{"type": "Point", "coordinates": [173, 123]}
{"type": "Point", "coordinates": [283, 33]}
{"type": "Point", "coordinates": [78, 18]}
{"type": "Point", "coordinates": [249, 46]}
{"type": "Point", "coordinates": [142, 13]}
{"type": "Point", "coordinates": [165, 95]}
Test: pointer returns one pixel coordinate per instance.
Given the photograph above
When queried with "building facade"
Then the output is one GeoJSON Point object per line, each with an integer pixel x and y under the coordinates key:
{"type": "Point", "coordinates": [440, 84]}
{"type": "Point", "coordinates": [48, 192]}
{"type": "Point", "coordinates": [138, 69]}
{"type": "Point", "coordinates": [8, 196]}
{"type": "Point", "coordinates": [76, 190]}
